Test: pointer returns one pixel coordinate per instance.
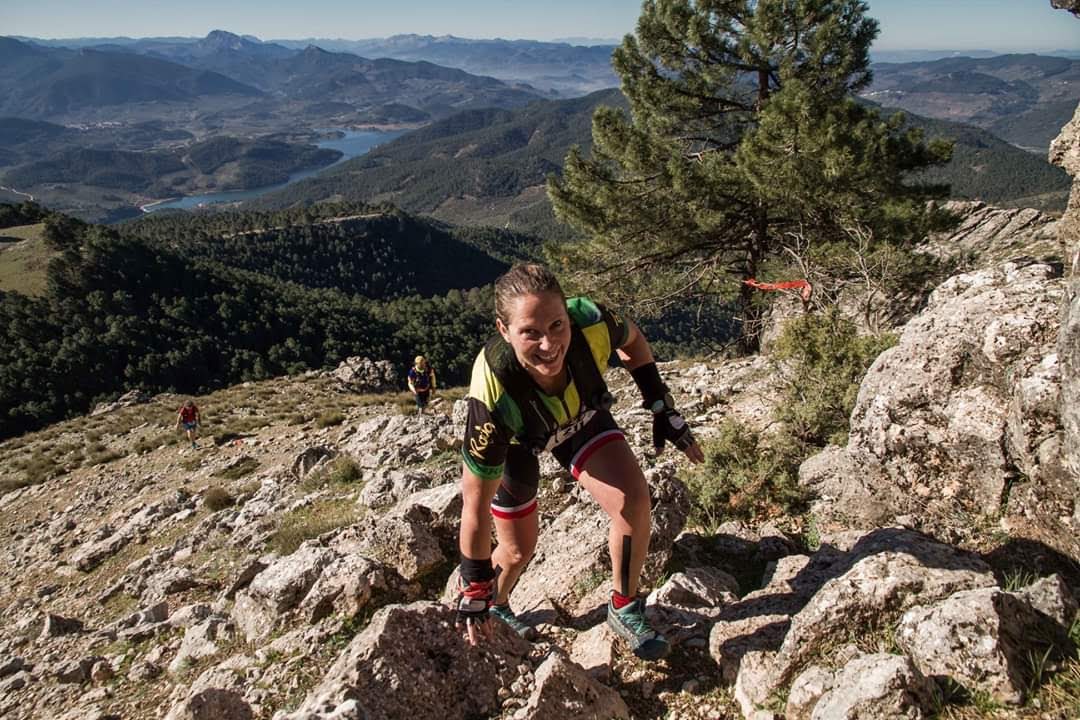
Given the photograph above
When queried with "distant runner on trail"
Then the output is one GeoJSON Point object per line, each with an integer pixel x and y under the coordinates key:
{"type": "Point", "coordinates": [538, 386]}
{"type": "Point", "coordinates": [188, 416]}
{"type": "Point", "coordinates": [421, 382]}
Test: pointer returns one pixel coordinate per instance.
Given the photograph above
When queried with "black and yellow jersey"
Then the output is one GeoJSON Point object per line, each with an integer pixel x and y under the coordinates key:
{"type": "Point", "coordinates": [494, 418]}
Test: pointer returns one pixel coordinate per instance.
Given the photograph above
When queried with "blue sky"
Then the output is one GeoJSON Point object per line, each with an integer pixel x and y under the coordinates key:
{"type": "Point", "coordinates": [1005, 25]}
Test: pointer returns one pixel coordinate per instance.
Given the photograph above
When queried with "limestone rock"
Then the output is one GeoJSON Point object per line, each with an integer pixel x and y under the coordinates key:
{"type": "Point", "coordinates": [564, 690]}
{"type": "Point", "coordinates": [384, 487]}
{"type": "Point", "coordinates": [1051, 597]}
{"type": "Point", "coordinates": [252, 568]}
{"type": "Point", "coordinates": [12, 665]}
{"type": "Point", "coordinates": [74, 670]}
{"type": "Point", "coordinates": [981, 638]}
{"type": "Point", "coordinates": [56, 626]}
{"type": "Point", "coordinates": [131, 397]}
{"type": "Point", "coordinates": [93, 553]}
{"type": "Point", "coordinates": [806, 690]}
{"type": "Point", "coordinates": [14, 682]}
{"type": "Point", "coordinates": [201, 641]}
{"type": "Point", "coordinates": [345, 587]}
{"type": "Point", "coordinates": [189, 615]}
{"type": "Point", "coordinates": [402, 541]}
{"type": "Point", "coordinates": [169, 581]}
{"type": "Point", "coordinates": [688, 603]}
{"type": "Point", "coordinates": [391, 442]}
{"type": "Point", "coordinates": [594, 650]}
{"type": "Point", "coordinates": [881, 574]}
{"type": "Point", "coordinates": [443, 501]}
{"type": "Point", "coordinates": [279, 588]}
{"type": "Point", "coordinates": [1065, 153]}
{"type": "Point", "coordinates": [363, 375]}
{"type": "Point", "coordinates": [311, 459]}
{"type": "Point", "coordinates": [410, 662]}
{"type": "Point", "coordinates": [877, 687]}
{"type": "Point", "coordinates": [212, 704]}
{"type": "Point", "coordinates": [931, 434]}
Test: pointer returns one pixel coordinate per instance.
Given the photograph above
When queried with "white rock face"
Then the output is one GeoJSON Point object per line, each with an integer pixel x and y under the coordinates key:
{"type": "Point", "coordinates": [363, 375]}
{"type": "Point", "coordinates": [278, 589]}
{"type": "Point", "coordinates": [877, 687]}
{"type": "Point", "coordinates": [383, 673]}
{"type": "Point", "coordinates": [405, 542]}
{"type": "Point", "coordinates": [979, 637]}
{"type": "Point", "coordinates": [876, 575]}
{"type": "Point", "coordinates": [564, 690]}
{"type": "Point", "coordinates": [1065, 153]}
{"type": "Point", "coordinates": [933, 434]}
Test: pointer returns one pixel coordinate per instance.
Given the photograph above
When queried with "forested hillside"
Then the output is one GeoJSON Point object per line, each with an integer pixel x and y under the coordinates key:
{"type": "Point", "coordinates": [377, 252]}
{"type": "Point", "coordinates": [985, 167]}
{"type": "Point", "coordinates": [221, 163]}
{"type": "Point", "coordinates": [165, 311]}
{"type": "Point", "coordinates": [1022, 98]}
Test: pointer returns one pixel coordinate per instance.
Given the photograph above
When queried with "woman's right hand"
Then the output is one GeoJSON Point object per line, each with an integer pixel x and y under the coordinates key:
{"type": "Point", "coordinates": [474, 601]}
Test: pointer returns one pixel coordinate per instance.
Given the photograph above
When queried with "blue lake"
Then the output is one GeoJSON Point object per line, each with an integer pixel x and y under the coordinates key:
{"type": "Point", "coordinates": [353, 144]}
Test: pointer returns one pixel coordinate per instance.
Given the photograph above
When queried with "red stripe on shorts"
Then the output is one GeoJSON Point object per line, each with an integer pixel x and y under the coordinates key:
{"type": "Point", "coordinates": [514, 514]}
{"type": "Point", "coordinates": [583, 455]}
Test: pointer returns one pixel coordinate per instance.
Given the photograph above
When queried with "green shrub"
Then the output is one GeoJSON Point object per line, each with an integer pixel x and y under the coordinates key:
{"type": "Point", "coordinates": [311, 522]}
{"type": "Point", "coordinates": [244, 466]}
{"type": "Point", "coordinates": [823, 360]}
{"type": "Point", "coordinates": [745, 477]}
{"type": "Point", "coordinates": [105, 456]}
{"type": "Point", "coordinates": [343, 471]}
{"type": "Point", "coordinates": [217, 498]}
{"type": "Point", "coordinates": [331, 417]}
{"type": "Point", "coordinates": [38, 469]}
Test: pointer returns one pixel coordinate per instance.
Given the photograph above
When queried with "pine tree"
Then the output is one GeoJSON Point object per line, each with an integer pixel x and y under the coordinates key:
{"type": "Point", "coordinates": [743, 132]}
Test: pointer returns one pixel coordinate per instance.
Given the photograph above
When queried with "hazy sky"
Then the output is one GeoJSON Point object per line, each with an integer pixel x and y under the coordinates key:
{"type": "Point", "coordinates": [905, 24]}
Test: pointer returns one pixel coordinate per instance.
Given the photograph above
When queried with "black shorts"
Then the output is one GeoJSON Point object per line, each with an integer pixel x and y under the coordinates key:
{"type": "Point", "coordinates": [516, 496]}
{"type": "Point", "coordinates": [422, 397]}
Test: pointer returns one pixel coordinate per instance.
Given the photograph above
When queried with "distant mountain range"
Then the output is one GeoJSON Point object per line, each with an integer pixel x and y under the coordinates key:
{"type": "Point", "coordinates": [489, 140]}
{"type": "Point", "coordinates": [563, 68]}
{"type": "Point", "coordinates": [1025, 99]}
{"type": "Point", "coordinates": [560, 67]}
{"type": "Point", "coordinates": [40, 82]}
{"type": "Point", "coordinates": [53, 83]}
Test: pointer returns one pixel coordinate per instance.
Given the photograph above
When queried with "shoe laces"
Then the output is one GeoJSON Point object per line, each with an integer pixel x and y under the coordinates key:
{"type": "Point", "coordinates": [504, 613]}
{"type": "Point", "coordinates": [634, 618]}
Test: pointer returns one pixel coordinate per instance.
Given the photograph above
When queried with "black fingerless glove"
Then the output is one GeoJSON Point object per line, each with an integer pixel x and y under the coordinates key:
{"type": "Point", "coordinates": [668, 425]}
{"type": "Point", "coordinates": [476, 590]}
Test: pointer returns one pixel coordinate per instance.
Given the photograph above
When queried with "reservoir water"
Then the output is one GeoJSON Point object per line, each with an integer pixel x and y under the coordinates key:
{"type": "Point", "coordinates": [353, 144]}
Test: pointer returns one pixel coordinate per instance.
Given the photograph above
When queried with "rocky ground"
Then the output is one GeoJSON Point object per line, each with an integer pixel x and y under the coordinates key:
{"type": "Point", "coordinates": [293, 567]}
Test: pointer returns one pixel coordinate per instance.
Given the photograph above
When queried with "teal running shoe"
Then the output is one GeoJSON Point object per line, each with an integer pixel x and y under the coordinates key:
{"type": "Point", "coordinates": [630, 624]}
{"type": "Point", "coordinates": [504, 613]}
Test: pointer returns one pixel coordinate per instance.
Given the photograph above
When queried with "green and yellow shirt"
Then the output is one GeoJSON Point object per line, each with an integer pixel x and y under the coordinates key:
{"type": "Point", "coordinates": [494, 418]}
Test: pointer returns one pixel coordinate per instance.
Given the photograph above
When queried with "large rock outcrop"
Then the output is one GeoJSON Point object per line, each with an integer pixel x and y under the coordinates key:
{"type": "Point", "coordinates": [1065, 153]}
{"type": "Point", "coordinates": [410, 662]}
{"type": "Point", "coordinates": [961, 417]}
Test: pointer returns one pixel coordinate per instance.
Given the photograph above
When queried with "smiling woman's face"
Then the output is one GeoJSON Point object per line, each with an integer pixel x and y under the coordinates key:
{"type": "Point", "coordinates": [538, 329]}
